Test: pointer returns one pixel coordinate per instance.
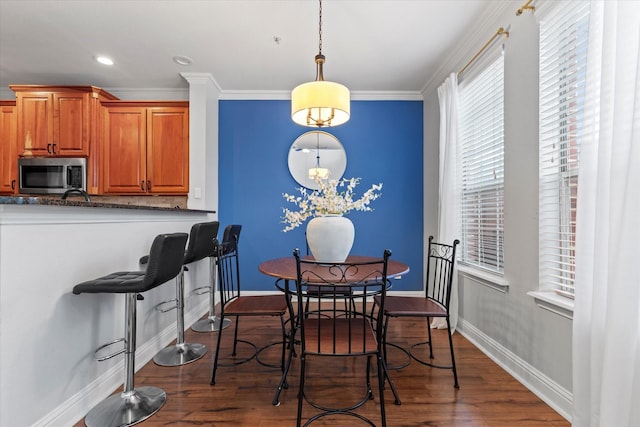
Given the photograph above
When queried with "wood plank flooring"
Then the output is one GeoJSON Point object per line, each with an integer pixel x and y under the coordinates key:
{"type": "Point", "coordinates": [488, 396]}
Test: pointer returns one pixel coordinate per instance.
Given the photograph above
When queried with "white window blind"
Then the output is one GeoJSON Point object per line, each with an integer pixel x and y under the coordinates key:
{"type": "Point", "coordinates": [481, 168]}
{"type": "Point", "coordinates": [564, 32]}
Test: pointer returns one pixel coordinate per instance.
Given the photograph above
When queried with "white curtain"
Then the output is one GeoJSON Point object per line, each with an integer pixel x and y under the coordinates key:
{"type": "Point", "coordinates": [448, 193]}
{"type": "Point", "coordinates": [606, 324]}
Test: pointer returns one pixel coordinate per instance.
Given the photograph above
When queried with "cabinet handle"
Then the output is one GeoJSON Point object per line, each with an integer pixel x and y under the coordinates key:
{"type": "Point", "coordinates": [142, 185]}
{"type": "Point", "coordinates": [148, 185]}
{"type": "Point", "coordinates": [13, 184]}
{"type": "Point", "coordinates": [53, 148]}
{"type": "Point", "coordinates": [49, 148]}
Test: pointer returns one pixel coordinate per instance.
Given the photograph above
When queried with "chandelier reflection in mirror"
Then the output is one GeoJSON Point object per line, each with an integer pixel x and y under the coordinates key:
{"type": "Point", "coordinates": [316, 150]}
{"type": "Point", "coordinates": [317, 171]}
{"type": "Point", "coordinates": [320, 103]}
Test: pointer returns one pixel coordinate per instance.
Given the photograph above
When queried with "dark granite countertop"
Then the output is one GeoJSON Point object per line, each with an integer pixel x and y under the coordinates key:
{"type": "Point", "coordinates": [31, 200]}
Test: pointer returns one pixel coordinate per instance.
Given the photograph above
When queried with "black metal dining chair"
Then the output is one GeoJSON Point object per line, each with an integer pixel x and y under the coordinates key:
{"type": "Point", "coordinates": [235, 304]}
{"type": "Point", "coordinates": [434, 304]}
{"type": "Point", "coordinates": [331, 330]}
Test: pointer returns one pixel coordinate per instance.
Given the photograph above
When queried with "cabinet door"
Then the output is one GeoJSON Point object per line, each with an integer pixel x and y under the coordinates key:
{"type": "Point", "coordinates": [124, 152]}
{"type": "Point", "coordinates": [35, 123]}
{"type": "Point", "coordinates": [168, 150]}
{"type": "Point", "coordinates": [71, 124]}
{"type": "Point", "coordinates": [8, 150]}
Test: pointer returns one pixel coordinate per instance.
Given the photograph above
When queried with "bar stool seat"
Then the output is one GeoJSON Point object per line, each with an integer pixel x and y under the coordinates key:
{"type": "Point", "coordinates": [134, 404]}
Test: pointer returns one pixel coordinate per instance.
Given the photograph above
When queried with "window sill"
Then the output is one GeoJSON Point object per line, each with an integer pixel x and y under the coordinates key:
{"type": "Point", "coordinates": [549, 300]}
{"type": "Point", "coordinates": [492, 281]}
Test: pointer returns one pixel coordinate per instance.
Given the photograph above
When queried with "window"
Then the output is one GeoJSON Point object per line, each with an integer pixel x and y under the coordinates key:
{"type": "Point", "coordinates": [481, 168]}
{"type": "Point", "coordinates": [563, 55]}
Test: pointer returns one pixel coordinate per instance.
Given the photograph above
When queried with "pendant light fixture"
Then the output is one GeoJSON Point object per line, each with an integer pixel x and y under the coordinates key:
{"type": "Point", "coordinates": [320, 103]}
{"type": "Point", "coordinates": [322, 173]}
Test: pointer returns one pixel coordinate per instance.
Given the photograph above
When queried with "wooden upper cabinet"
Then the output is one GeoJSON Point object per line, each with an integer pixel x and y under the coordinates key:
{"type": "Point", "coordinates": [124, 150]}
{"type": "Point", "coordinates": [8, 149]}
{"type": "Point", "coordinates": [146, 147]}
{"type": "Point", "coordinates": [56, 120]}
{"type": "Point", "coordinates": [168, 150]}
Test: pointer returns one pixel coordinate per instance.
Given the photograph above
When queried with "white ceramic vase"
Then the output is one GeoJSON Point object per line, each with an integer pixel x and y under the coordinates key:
{"type": "Point", "coordinates": [330, 237]}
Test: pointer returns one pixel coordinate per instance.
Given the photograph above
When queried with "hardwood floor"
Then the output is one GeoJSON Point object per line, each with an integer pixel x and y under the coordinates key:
{"type": "Point", "coordinates": [488, 396]}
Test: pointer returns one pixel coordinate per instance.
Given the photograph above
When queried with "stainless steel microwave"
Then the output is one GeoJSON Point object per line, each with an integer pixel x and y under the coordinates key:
{"type": "Point", "coordinates": [52, 175]}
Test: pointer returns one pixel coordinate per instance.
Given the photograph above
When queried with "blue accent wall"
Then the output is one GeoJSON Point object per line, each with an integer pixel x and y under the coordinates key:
{"type": "Point", "coordinates": [383, 142]}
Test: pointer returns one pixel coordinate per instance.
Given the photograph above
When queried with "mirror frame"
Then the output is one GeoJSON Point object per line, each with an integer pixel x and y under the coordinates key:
{"type": "Point", "coordinates": [303, 155]}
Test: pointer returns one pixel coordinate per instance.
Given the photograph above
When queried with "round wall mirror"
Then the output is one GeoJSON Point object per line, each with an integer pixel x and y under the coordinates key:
{"type": "Point", "coordinates": [316, 152]}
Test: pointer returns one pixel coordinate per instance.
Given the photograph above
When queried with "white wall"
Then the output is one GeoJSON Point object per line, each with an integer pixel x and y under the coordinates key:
{"type": "Point", "coordinates": [532, 343]}
{"type": "Point", "coordinates": [47, 334]}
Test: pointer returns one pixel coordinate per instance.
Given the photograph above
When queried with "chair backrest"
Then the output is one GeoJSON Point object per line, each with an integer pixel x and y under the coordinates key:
{"type": "Point", "coordinates": [165, 259]}
{"type": "Point", "coordinates": [335, 302]}
{"type": "Point", "coordinates": [231, 237]}
{"type": "Point", "coordinates": [226, 254]}
{"type": "Point", "coordinates": [201, 243]}
{"type": "Point", "coordinates": [440, 265]}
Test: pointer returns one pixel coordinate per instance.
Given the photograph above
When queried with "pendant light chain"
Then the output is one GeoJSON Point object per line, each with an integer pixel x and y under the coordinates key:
{"type": "Point", "coordinates": [320, 29]}
{"type": "Point", "coordinates": [320, 103]}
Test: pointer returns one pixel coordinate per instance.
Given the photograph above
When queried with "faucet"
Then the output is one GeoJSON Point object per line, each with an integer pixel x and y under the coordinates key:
{"type": "Point", "coordinates": [76, 191]}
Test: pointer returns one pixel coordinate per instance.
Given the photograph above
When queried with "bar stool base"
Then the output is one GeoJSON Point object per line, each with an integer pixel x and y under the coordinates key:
{"type": "Point", "coordinates": [179, 354]}
{"type": "Point", "coordinates": [126, 408]}
{"type": "Point", "coordinates": [210, 324]}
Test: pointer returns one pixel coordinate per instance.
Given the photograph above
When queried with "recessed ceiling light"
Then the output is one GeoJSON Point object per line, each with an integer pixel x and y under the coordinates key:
{"type": "Point", "coordinates": [182, 60]}
{"type": "Point", "coordinates": [104, 60]}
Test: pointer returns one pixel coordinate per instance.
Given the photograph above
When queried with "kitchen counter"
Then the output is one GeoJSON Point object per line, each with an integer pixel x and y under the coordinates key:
{"type": "Point", "coordinates": [47, 246]}
{"type": "Point", "coordinates": [50, 201]}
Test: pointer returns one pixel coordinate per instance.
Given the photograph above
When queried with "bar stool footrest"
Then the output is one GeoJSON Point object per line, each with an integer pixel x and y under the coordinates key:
{"type": "Point", "coordinates": [201, 290]}
{"type": "Point", "coordinates": [108, 356]}
{"type": "Point", "coordinates": [160, 306]}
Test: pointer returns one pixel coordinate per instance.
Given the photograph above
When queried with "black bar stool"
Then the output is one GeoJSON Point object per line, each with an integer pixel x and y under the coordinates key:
{"type": "Point", "coordinates": [200, 246]}
{"type": "Point", "coordinates": [213, 323]}
{"type": "Point", "coordinates": [134, 404]}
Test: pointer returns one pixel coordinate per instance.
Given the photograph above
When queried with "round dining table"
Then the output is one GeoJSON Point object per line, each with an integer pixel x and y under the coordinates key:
{"type": "Point", "coordinates": [285, 268]}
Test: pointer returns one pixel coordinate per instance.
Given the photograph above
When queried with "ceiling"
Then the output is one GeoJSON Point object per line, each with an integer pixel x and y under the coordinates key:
{"type": "Point", "coordinates": [246, 45]}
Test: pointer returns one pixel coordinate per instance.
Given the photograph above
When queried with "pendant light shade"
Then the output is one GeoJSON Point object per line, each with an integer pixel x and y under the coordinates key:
{"type": "Point", "coordinates": [320, 103]}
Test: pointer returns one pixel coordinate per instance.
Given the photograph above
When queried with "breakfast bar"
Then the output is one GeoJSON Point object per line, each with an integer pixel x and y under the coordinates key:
{"type": "Point", "coordinates": [48, 335]}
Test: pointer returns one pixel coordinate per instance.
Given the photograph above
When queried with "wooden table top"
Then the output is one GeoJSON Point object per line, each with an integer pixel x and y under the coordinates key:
{"type": "Point", "coordinates": [285, 268]}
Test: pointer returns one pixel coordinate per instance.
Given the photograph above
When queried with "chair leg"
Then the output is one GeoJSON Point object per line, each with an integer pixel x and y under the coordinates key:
{"type": "Point", "coordinates": [384, 363]}
{"type": "Point", "coordinates": [382, 375]}
{"type": "Point", "coordinates": [216, 356]}
{"type": "Point", "coordinates": [369, 389]}
{"type": "Point", "coordinates": [286, 343]}
{"type": "Point", "coordinates": [429, 332]}
{"type": "Point", "coordinates": [453, 359]}
{"type": "Point", "coordinates": [133, 404]}
{"type": "Point", "coordinates": [301, 389]}
{"type": "Point", "coordinates": [235, 337]}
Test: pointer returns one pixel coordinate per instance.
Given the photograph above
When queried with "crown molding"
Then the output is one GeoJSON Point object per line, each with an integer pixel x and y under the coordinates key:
{"type": "Point", "coordinates": [355, 95]}
{"type": "Point", "coordinates": [486, 23]}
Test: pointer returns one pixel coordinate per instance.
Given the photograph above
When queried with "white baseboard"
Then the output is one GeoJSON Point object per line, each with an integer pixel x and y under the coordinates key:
{"type": "Point", "coordinates": [76, 407]}
{"type": "Point", "coordinates": [554, 395]}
